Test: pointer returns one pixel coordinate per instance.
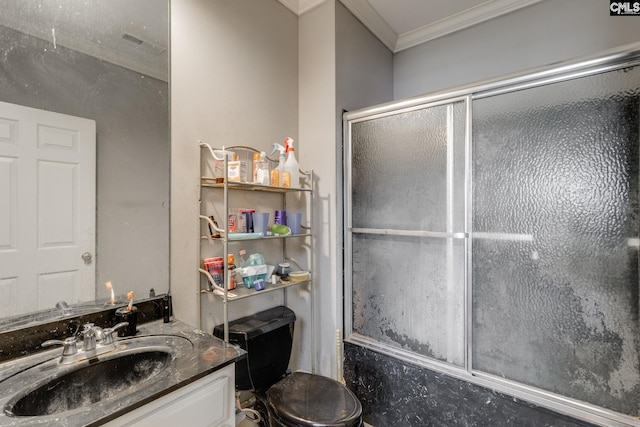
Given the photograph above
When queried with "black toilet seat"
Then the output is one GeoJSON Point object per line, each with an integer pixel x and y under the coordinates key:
{"type": "Point", "coordinates": [303, 399]}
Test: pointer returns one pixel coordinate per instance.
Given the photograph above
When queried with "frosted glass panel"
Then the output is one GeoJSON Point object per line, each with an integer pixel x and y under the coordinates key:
{"type": "Point", "coordinates": [400, 165]}
{"type": "Point", "coordinates": [409, 293]}
{"type": "Point", "coordinates": [555, 238]}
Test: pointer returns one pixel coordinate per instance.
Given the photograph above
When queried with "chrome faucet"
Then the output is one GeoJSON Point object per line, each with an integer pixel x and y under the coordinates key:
{"type": "Point", "coordinates": [89, 336]}
{"type": "Point", "coordinates": [95, 341]}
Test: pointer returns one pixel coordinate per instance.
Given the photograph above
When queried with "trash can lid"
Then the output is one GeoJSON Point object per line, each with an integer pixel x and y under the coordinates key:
{"type": "Point", "coordinates": [303, 399]}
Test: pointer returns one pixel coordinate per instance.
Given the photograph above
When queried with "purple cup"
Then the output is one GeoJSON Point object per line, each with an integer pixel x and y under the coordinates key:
{"type": "Point", "coordinates": [280, 217]}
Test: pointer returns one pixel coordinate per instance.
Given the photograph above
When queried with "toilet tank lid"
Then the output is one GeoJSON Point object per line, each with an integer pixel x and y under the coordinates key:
{"type": "Point", "coordinates": [260, 323]}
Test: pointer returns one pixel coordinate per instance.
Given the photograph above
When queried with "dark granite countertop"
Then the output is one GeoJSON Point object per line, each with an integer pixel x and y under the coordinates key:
{"type": "Point", "coordinates": [195, 354]}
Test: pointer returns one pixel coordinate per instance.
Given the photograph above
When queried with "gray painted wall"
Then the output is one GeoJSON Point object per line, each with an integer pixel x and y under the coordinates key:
{"type": "Point", "coordinates": [132, 171]}
{"type": "Point", "coordinates": [541, 34]}
{"type": "Point", "coordinates": [341, 66]}
{"type": "Point", "coordinates": [364, 66]}
{"type": "Point", "coordinates": [317, 66]}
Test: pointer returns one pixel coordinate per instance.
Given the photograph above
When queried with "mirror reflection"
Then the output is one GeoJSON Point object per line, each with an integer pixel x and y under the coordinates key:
{"type": "Point", "coordinates": [84, 153]}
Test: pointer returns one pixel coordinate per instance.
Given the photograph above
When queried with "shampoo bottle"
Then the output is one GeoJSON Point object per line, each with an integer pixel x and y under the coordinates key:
{"type": "Point", "coordinates": [291, 173]}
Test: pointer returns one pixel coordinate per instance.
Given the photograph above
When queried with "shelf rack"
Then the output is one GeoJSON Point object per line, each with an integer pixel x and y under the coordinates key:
{"type": "Point", "coordinates": [240, 292]}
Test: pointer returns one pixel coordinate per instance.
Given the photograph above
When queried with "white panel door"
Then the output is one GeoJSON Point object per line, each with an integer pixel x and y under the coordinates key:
{"type": "Point", "coordinates": [47, 209]}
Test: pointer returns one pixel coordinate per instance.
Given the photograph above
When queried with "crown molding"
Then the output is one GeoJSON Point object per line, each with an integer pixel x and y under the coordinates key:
{"type": "Point", "coordinates": [301, 6]}
{"type": "Point", "coordinates": [373, 21]}
{"type": "Point", "coordinates": [364, 12]}
{"type": "Point", "coordinates": [307, 5]}
{"type": "Point", "coordinates": [292, 5]}
{"type": "Point", "coordinates": [460, 21]}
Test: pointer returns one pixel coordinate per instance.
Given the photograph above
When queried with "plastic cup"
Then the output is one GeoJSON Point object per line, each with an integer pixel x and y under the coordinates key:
{"type": "Point", "coordinates": [280, 217]}
{"type": "Point", "coordinates": [260, 222]}
{"type": "Point", "coordinates": [294, 221]}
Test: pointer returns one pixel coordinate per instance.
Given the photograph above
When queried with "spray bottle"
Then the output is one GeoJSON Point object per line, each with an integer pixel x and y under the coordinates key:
{"type": "Point", "coordinates": [291, 174]}
{"type": "Point", "coordinates": [278, 171]}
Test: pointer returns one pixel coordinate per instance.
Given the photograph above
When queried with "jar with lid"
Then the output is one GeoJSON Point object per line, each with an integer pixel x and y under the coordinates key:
{"type": "Point", "coordinates": [283, 271]}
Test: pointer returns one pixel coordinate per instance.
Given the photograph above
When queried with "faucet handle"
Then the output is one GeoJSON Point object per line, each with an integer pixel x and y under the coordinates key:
{"type": "Point", "coordinates": [108, 332]}
{"type": "Point", "coordinates": [88, 337]}
{"type": "Point", "coordinates": [99, 333]}
{"type": "Point", "coordinates": [69, 344]}
{"type": "Point", "coordinates": [87, 327]}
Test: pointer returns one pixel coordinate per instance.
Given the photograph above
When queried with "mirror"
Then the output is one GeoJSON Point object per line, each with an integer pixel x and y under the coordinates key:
{"type": "Point", "coordinates": [103, 62]}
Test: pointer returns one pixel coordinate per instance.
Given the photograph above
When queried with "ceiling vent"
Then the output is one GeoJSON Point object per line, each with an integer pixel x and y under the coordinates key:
{"type": "Point", "coordinates": [144, 44]}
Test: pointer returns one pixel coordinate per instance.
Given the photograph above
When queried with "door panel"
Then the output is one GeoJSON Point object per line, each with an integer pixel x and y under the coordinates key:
{"type": "Point", "coordinates": [50, 222]}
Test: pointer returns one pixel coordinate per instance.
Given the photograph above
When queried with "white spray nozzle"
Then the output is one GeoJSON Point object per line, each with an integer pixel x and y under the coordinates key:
{"type": "Point", "coordinates": [277, 147]}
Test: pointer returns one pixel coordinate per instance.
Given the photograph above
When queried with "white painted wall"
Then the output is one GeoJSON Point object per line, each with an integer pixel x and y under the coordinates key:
{"type": "Point", "coordinates": [541, 34]}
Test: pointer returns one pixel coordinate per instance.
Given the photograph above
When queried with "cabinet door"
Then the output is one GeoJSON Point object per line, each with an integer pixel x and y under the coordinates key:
{"type": "Point", "coordinates": [207, 402]}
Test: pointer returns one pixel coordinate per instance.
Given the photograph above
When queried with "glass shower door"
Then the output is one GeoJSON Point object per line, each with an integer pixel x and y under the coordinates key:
{"type": "Point", "coordinates": [407, 235]}
{"type": "Point", "coordinates": [555, 238]}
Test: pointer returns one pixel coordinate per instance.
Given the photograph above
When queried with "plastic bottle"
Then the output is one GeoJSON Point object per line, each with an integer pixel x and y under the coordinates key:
{"type": "Point", "coordinates": [256, 159]}
{"type": "Point", "coordinates": [232, 271]}
{"type": "Point", "coordinates": [262, 170]}
{"type": "Point", "coordinates": [291, 176]}
{"type": "Point", "coordinates": [277, 172]}
{"type": "Point", "coordinates": [242, 258]}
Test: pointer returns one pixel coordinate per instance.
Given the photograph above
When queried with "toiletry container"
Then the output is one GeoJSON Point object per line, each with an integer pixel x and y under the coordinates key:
{"type": "Point", "coordinates": [278, 172]}
{"type": "Point", "coordinates": [291, 173]}
{"type": "Point", "coordinates": [256, 159]}
{"type": "Point", "coordinates": [296, 400]}
{"type": "Point", "coordinates": [262, 170]}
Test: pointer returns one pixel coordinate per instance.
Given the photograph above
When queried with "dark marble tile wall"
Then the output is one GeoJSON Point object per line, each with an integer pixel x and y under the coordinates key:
{"type": "Point", "coordinates": [26, 341]}
{"type": "Point", "coordinates": [396, 393]}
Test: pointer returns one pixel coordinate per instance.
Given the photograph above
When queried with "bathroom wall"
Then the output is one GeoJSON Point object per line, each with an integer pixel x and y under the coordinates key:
{"type": "Point", "coordinates": [234, 81]}
{"type": "Point", "coordinates": [244, 72]}
{"type": "Point", "coordinates": [132, 170]}
{"type": "Point", "coordinates": [342, 66]}
{"type": "Point", "coordinates": [541, 34]}
{"type": "Point", "coordinates": [317, 135]}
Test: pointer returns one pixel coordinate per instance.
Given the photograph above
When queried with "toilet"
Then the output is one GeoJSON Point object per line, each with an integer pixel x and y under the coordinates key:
{"type": "Point", "coordinates": [296, 400]}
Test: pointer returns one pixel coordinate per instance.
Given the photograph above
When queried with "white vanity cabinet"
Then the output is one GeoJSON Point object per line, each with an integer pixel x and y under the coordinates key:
{"type": "Point", "coordinates": [208, 402]}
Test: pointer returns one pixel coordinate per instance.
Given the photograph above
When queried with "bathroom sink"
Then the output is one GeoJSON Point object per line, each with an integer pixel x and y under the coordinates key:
{"type": "Point", "coordinates": [51, 388]}
{"type": "Point", "coordinates": [90, 384]}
